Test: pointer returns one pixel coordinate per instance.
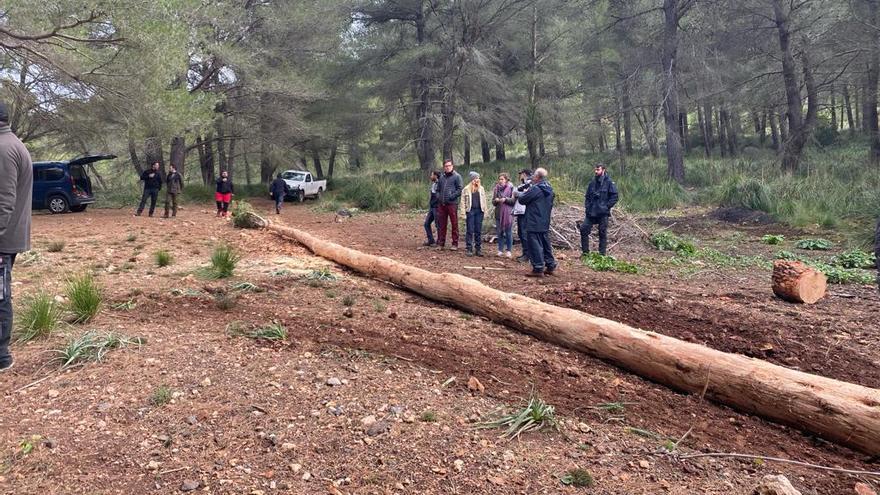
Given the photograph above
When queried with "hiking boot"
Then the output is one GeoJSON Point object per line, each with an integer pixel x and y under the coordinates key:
{"type": "Point", "coordinates": [429, 243]}
{"type": "Point", "coordinates": [7, 366]}
{"type": "Point", "coordinates": [508, 254]}
{"type": "Point", "coordinates": [534, 274]}
{"type": "Point", "coordinates": [454, 247]}
{"type": "Point", "coordinates": [469, 253]}
{"type": "Point", "coordinates": [479, 253]}
{"type": "Point", "coordinates": [500, 254]}
{"type": "Point", "coordinates": [522, 259]}
{"type": "Point", "coordinates": [550, 271]}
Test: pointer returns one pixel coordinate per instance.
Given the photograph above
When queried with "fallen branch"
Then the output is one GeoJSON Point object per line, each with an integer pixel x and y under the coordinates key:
{"type": "Point", "coordinates": [846, 413]}
{"type": "Point", "coordinates": [778, 459]}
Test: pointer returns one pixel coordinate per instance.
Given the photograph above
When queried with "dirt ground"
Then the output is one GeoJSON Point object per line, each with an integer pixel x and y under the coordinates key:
{"type": "Point", "coordinates": [369, 394]}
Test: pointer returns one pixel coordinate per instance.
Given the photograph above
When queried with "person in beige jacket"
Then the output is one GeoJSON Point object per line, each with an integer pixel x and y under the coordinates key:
{"type": "Point", "coordinates": [16, 193]}
{"type": "Point", "coordinates": [474, 207]}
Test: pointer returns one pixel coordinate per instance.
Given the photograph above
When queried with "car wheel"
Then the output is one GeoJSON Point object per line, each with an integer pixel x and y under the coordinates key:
{"type": "Point", "coordinates": [301, 196]}
{"type": "Point", "coordinates": [58, 204]}
{"type": "Point", "coordinates": [78, 208]}
{"type": "Point", "coordinates": [320, 193]}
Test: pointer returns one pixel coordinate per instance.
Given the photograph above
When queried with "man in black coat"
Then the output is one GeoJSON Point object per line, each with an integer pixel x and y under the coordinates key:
{"type": "Point", "coordinates": [538, 200]}
{"type": "Point", "coordinates": [152, 180]}
{"type": "Point", "coordinates": [601, 196]}
{"type": "Point", "coordinates": [279, 190]}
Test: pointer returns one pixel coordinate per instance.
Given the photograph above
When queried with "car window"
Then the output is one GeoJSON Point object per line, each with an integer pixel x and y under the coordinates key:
{"type": "Point", "coordinates": [78, 172]}
{"type": "Point", "coordinates": [294, 176]}
{"type": "Point", "coordinates": [49, 174]}
{"type": "Point", "coordinates": [309, 178]}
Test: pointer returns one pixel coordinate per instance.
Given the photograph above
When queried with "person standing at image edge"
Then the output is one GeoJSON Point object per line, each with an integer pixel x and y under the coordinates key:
{"type": "Point", "coordinates": [473, 208]}
{"type": "Point", "coordinates": [519, 212]}
{"type": "Point", "coordinates": [174, 185]}
{"type": "Point", "coordinates": [433, 203]}
{"type": "Point", "coordinates": [16, 190]}
{"type": "Point", "coordinates": [539, 207]}
{"type": "Point", "coordinates": [449, 188]}
{"type": "Point", "coordinates": [152, 179]}
{"type": "Point", "coordinates": [279, 190]}
{"type": "Point", "coordinates": [600, 197]}
{"type": "Point", "coordinates": [223, 196]}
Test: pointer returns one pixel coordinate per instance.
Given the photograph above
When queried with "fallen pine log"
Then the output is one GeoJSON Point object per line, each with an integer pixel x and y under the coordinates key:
{"type": "Point", "coordinates": [795, 282]}
{"type": "Point", "coordinates": [845, 413]}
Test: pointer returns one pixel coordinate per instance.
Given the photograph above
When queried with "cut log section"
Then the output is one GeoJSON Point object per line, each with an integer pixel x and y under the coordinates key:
{"type": "Point", "coordinates": [796, 282]}
{"type": "Point", "coordinates": [845, 413]}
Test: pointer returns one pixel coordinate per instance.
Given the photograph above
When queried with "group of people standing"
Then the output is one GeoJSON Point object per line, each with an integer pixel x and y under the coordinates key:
{"type": "Point", "coordinates": [153, 180]}
{"type": "Point", "coordinates": [529, 204]}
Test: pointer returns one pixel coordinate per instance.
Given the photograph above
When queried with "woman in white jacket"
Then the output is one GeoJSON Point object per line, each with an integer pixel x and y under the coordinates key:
{"type": "Point", "coordinates": [474, 207]}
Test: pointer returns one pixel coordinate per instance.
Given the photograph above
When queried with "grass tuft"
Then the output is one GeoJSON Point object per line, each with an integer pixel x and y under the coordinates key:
{"type": "Point", "coordinates": [273, 332]}
{"type": "Point", "coordinates": [38, 318]}
{"type": "Point", "coordinates": [55, 246]}
{"type": "Point", "coordinates": [578, 477]}
{"type": "Point", "coordinates": [224, 259]}
{"type": "Point", "coordinates": [92, 346]}
{"type": "Point", "coordinates": [161, 396]}
{"type": "Point", "coordinates": [163, 258]}
{"type": "Point", "coordinates": [534, 416]}
{"type": "Point", "coordinates": [428, 417]}
{"type": "Point", "coordinates": [85, 297]}
{"type": "Point", "coordinates": [322, 275]}
{"type": "Point", "coordinates": [667, 241]}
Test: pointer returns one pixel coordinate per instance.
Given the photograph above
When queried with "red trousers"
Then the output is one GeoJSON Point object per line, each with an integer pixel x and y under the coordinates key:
{"type": "Point", "coordinates": [444, 212]}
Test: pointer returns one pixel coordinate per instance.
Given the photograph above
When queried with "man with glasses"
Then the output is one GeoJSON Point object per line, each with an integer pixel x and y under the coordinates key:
{"type": "Point", "coordinates": [601, 196]}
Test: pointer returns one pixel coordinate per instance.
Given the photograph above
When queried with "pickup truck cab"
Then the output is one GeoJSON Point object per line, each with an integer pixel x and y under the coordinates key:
{"type": "Point", "coordinates": [303, 185]}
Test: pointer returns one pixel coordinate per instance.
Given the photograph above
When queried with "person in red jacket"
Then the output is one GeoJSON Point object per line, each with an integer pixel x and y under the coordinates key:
{"type": "Point", "coordinates": [223, 196]}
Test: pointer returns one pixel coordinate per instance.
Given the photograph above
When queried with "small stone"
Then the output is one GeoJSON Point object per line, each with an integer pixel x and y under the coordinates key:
{"type": "Point", "coordinates": [409, 417]}
{"type": "Point", "coordinates": [153, 465]}
{"type": "Point", "coordinates": [192, 420]}
{"type": "Point", "coordinates": [584, 428]}
{"type": "Point", "coordinates": [378, 428]}
{"type": "Point", "coordinates": [397, 410]}
{"type": "Point", "coordinates": [287, 446]}
{"type": "Point", "coordinates": [496, 480]}
{"type": "Point", "coordinates": [189, 485]}
{"type": "Point", "coordinates": [474, 385]}
{"type": "Point", "coordinates": [508, 456]}
{"type": "Point", "coordinates": [775, 485]}
{"type": "Point", "coordinates": [206, 382]}
{"type": "Point", "coordinates": [306, 476]}
{"type": "Point", "coordinates": [334, 382]}
{"type": "Point", "coordinates": [459, 465]}
{"type": "Point", "coordinates": [644, 464]}
{"type": "Point", "coordinates": [54, 393]}
{"type": "Point", "coordinates": [366, 421]}
{"type": "Point", "coordinates": [295, 467]}
{"type": "Point", "coordinates": [50, 442]}
{"type": "Point", "coordinates": [863, 489]}
{"type": "Point", "coordinates": [348, 313]}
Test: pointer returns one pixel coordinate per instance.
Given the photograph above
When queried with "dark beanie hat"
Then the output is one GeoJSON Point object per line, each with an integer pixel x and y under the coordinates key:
{"type": "Point", "coordinates": [4, 112]}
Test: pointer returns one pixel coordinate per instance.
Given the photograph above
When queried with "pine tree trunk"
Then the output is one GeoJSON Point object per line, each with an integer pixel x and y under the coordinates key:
{"type": "Point", "coordinates": [722, 133]}
{"type": "Point", "coordinates": [669, 59]}
{"type": "Point", "coordinates": [177, 154]}
{"type": "Point", "coordinates": [467, 149]}
{"type": "Point", "coordinates": [796, 282]}
{"type": "Point", "coordinates": [872, 76]}
{"type": "Point", "coordinates": [485, 150]}
{"type": "Point", "coordinates": [135, 160]}
{"type": "Point", "coordinates": [331, 162]}
{"type": "Point", "coordinates": [774, 132]}
{"type": "Point", "coordinates": [153, 153]}
{"type": "Point", "coordinates": [316, 160]}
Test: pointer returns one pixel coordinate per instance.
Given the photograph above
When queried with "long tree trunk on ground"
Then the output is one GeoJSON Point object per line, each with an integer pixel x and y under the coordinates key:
{"type": "Point", "coordinates": [485, 150]}
{"type": "Point", "coordinates": [838, 411]}
{"type": "Point", "coordinates": [669, 59]}
{"type": "Point", "coordinates": [177, 155]}
{"type": "Point", "coordinates": [849, 110]}
{"type": "Point", "coordinates": [873, 127]}
{"type": "Point", "coordinates": [800, 128]}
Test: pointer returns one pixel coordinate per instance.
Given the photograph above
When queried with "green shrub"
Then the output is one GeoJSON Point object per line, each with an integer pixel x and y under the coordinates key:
{"type": "Point", "coordinates": [601, 263]}
{"type": "Point", "coordinates": [224, 259]}
{"type": "Point", "coordinates": [578, 477]}
{"type": "Point", "coordinates": [55, 246]}
{"type": "Point", "coordinates": [84, 296]}
{"type": "Point", "coordinates": [773, 239]}
{"type": "Point", "coordinates": [163, 258]}
{"type": "Point", "coordinates": [161, 396]}
{"type": "Point", "coordinates": [746, 192]}
{"type": "Point", "coordinates": [814, 244]}
{"type": "Point", "coordinates": [667, 241]}
{"type": "Point", "coordinates": [239, 211]}
{"type": "Point", "coordinates": [854, 258]}
{"type": "Point", "coordinates": [38, 318]}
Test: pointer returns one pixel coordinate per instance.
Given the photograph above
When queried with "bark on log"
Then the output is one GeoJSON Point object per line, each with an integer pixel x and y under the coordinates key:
{"type": "Point", "coordinates": [796, 282]}
{"type": "Point", "coordinates": [845, 413]}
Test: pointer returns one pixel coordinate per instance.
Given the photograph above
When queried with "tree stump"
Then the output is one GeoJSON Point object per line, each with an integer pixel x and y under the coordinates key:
{"type": "Point", "coordinates": [794, 281]}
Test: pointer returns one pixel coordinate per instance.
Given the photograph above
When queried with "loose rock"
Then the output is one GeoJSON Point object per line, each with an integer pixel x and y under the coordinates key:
{"type": "Point", "coordinates": [474, 385]}
{"type": "Point", "coordinates": [334, 382]}
{"type": "Point", "coordinates": [775, 485]}
{"type": "Point", "coordinates": [863, 489]}
{"type": "Point", "coordinates": [189, 485]}
{"type": "Point", "coordinates": [378, 428]}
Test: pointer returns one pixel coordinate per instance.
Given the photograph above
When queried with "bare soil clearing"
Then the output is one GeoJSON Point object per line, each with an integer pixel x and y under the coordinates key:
{"type": "Point", "coordinates": [249, 416]}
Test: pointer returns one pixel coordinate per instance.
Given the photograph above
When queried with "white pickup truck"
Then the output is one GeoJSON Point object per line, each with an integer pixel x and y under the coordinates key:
{"type": "Point", "coordinates": [302, 185]}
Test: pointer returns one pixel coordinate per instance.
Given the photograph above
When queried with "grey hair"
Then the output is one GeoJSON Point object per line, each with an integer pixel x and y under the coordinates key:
{"type": "Point", "coordinates": [541, 172]}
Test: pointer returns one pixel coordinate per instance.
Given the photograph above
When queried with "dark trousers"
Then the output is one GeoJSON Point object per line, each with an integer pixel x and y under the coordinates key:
{"type": "Point", "coordinates": [541, 252]}
{"type": "Point", "coordinates": [170, 204]}
{"type": "Point", "coordinates": [523, 235]}
{"type": "Point", "coordinates": [430, 219]}
{"type": "Point", "coordinates": [447, 212]}
{"type": "Point", "coordinates": [473, 239]}
{"type": "Point", "coordinates": [153, 194]}
{"type": "Point", "coordinates": [279, 200]}
{"type": "Point", "coordinates": [6, 262]}
{"type": "Point", "coordinates": [587, 227]}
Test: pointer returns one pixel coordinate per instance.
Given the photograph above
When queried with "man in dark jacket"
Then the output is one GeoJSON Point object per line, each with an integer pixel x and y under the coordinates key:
{"type": "Point", "coordinates": [539, 207]}
{"type": "Point", "coordinates": [16, 189]}
{"type": "Point", "coordinates": [449, 187]}
{"type": "Point", "coordinates": [279, 190]}
{"type": "Point", "coordinates": [433, 203]}
{"type": "Point", "coordinates": [174, 185]}
{"type": "Point", "coordinates": [152, 179]}
{"type": "Point", "coordinates": [601, 196]}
